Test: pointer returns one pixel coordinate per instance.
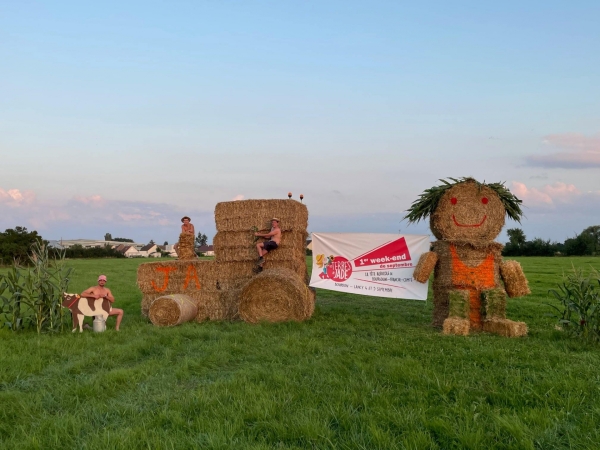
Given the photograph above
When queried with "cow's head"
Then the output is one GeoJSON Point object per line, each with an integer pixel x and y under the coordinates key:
{"type": "Point", "coordinates": [70, 299]}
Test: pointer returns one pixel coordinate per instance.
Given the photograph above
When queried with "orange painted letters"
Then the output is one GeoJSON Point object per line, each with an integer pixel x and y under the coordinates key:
{"type": "Point", "coordinates": [166, 271]}
{"type": "Point", "coordinates": [191, 275]}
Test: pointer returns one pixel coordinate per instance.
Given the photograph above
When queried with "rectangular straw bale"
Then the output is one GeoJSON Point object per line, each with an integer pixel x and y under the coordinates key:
{"type": "Point", "coordinates": [170, 277]}
{"type": "Point", "coordinates": [515, 282]}
{"type": "Point", "coordinates": [242, 215]}
{"type": "Point", "coordinates": [231, 254]}
{"type": "Point", "coordinates": [505, 327]}
{"type": "Point", "coordinates": [456, 325]}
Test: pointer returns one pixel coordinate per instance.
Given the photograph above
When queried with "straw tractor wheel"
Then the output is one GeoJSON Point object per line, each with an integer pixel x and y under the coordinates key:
{"type": "Point", "coordinates": [276, 295]}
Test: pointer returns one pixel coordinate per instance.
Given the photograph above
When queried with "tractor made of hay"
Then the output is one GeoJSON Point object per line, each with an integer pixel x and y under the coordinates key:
{"type": "Point", "coordinates": [229, 287]}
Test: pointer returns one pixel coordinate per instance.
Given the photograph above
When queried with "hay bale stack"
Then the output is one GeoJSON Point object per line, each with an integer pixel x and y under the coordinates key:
{"type": "Point", "coordinates": [242, 215]}
{"type": "Point", "coordinates": [185, 249]}
{"type": "Point", "coordinates": [276, 295]}
{"type": "Point", "coordinates": [241, 246]}
{"type": "Point", "coordinates": [174, 309]}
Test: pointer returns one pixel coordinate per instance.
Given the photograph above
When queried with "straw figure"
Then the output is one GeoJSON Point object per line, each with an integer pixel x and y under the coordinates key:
{"type": "Point", "coordinates": [471, 280]}
{"type": "Point", "coordinates": [228, 287]}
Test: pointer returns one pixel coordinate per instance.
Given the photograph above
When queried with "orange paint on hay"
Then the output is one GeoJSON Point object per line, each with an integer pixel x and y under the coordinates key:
{"type": "Point", "coordinates": [166, 270]}
{"type": "Point", "coordinates": [190, 275]}
{"type": "Point", "coordinates": [473, 279]}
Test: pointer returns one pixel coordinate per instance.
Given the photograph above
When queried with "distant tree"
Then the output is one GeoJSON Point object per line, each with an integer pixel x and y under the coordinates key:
{"type": "Point", "coordinates": [118, 239]}
{"type": "Point", "coordinates": [201, 239]}
{"type": "Point", "coordinates": [151, 242]}
{"type": "Point", "coordinates": [108, 237]}
{"type": "Point", "coordinates": [516, 242]}
{"type": "Point", "coordinates": [591, 235]}
{"type": "Point", "coordinates": [516, 236]}
{"type": "Point", "coordinates": [15, 244]}
{"type": "Point", "coordinates": [166, 243]}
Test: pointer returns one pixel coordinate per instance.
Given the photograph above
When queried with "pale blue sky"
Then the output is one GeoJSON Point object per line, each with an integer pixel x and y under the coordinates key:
{"type": "Point", "coordinates": [121, 117]}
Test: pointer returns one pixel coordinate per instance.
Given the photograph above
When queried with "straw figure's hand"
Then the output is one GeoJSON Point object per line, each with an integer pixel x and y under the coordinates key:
{"type": "Point", "coordinates": [515, 283]}
{"type": "Point", "coordinates": [425, 266]}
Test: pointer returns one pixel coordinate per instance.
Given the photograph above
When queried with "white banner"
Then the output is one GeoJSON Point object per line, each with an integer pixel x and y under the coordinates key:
{"type": "Point", "coordinates": [380, 265]}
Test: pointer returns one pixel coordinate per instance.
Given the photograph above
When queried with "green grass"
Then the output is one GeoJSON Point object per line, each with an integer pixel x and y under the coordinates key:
{"type": "Point", "coordinates": [363, 373]}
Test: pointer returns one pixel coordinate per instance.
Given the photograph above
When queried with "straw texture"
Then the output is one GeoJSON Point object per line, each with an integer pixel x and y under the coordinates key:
{"type": "Point", "coordinates": [174, 309]}
{"type": "Point", "coordinates": [244, 214]}
{"type": "Point", "coordinates": [515, 283]}
{"type": "Point", "coordinates": [276, 295]}
{"type": "Point", "coordinates": [456, 325]}
{"type": "Point", "coordinates": [425, 267]}
{"type": "Point", "coordinates": [185, 250]}
{"type": "Point", "coordinates": [505, 327]}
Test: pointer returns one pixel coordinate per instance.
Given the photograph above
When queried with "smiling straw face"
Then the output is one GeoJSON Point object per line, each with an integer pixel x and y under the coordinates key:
{"type": "Point", "coordinates": [468, 212]}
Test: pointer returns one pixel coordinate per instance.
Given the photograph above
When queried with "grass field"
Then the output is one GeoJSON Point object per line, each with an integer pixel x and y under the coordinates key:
{"type": "Point", "coordinates": [363, 373]}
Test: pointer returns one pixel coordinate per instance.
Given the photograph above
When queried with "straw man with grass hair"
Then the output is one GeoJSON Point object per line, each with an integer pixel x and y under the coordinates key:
{"type": "Point", "coordinates": [471, 280]}
{"type": "Point", "coordinates": [274, 239]}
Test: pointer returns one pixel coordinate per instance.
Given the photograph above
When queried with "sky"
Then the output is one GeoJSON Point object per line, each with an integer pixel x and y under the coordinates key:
{"type": "Point", "coordinates": [121, 117]}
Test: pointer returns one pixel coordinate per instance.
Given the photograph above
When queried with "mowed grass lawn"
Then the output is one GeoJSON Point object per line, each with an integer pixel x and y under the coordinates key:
{"type": "Point", "coordinates": [363, 373]}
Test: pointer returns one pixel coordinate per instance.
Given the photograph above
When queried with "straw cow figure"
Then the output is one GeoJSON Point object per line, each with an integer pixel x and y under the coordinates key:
{"type": "Point", "coordinates": [228, 287]}
{"type": "Point", "coordinates": [471, 280]}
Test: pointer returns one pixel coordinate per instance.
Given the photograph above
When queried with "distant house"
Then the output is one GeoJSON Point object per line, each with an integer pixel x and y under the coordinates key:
{"type": "Point", "coordinates": [128, 250]}
{"type": "Point", "coordinates": [150, 250]}
{"type": "Point", "coordinates": [208, 250]}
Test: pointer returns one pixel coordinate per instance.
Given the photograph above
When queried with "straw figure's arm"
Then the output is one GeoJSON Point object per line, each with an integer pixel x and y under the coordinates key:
{"type": "Point", "coordinates": [514, 279]}
{"type": "Point", "coordinates": [425, 266]}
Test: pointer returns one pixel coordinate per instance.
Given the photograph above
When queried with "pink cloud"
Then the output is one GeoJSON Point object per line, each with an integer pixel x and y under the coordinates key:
{"type": "Point", "coordinates": [548, 195]}
{"type": "Point", "coordinates": [92, 200]}
{"type": "Point", "coordinates": [238, 197]}
{"type": "Point", "coordinates": [583, 152]}
{"type": "Point", "coordinates": [15, 198]}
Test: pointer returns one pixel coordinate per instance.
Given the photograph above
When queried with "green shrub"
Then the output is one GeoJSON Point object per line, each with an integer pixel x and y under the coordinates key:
{"type": "Point", "coordinates": [30, 297]}
{"type": "Point", "coordinates": [579, 295]}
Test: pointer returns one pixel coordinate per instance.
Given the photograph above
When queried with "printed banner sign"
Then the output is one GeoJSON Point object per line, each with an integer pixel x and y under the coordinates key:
{"type": "Point", "coordinates": [381, 265]}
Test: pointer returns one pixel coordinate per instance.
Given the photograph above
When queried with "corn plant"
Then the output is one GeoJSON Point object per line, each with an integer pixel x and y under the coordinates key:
{"type": "Point", "coordinates": [31, 296]}
{"type": "Point", "coordinates": [579, 296]}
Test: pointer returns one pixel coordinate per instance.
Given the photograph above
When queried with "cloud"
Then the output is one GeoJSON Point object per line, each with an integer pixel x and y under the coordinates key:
{"type": "Point", "coordinates": [94, 200]}
{"type": "Point", "coordinates": [238, 197]}
{"type": "Point", "coordinates": [548, 195]}
{"type": "Point", "coordinates": [16, 198]}
{"type": "Point", "coordinates": [583, 152]}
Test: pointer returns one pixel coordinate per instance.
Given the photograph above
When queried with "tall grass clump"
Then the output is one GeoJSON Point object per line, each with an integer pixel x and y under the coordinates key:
{"type": "Point", "coordinates": [579, 296]}
{"type": "Point", "coordinates": [30, 297]}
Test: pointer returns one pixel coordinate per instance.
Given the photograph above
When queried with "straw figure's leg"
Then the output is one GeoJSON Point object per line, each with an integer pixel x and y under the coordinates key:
{"type": "Point", "coordinates": [459, 307]}
{"type": "Point", "coordinates": [493, 305]}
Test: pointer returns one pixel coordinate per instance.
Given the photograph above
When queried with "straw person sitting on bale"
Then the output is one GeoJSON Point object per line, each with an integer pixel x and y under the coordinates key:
{"type": "Point", "coordinates": [274, 239]}
{"type": "Point", "coordinates": [100, 291]}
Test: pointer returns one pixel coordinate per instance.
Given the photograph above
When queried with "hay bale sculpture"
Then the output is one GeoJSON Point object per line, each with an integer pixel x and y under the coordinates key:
{"type": "Point", "coordinates": [471, 280]}
{"type": "Point", "coordinates": [228, 287]}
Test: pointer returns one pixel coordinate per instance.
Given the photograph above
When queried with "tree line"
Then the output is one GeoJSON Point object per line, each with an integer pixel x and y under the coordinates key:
{"type": "Point", "coordinates": [585, 243]}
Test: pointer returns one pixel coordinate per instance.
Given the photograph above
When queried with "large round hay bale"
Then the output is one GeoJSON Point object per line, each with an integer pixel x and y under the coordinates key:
{"type": "Point", "coordinates": [172, 310]}
{"type": "Point", "coordinates": [276, 295]}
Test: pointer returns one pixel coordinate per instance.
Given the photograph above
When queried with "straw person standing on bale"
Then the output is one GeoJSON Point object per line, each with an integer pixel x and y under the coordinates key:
{"type": "Point", "coordinates": [100, 291]}
{"type": "Point", "coordinates": [274, 239]}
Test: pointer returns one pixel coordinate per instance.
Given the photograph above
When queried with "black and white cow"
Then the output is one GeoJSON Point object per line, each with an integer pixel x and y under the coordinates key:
{"type": "Point", "coordinates": [81, 307]}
